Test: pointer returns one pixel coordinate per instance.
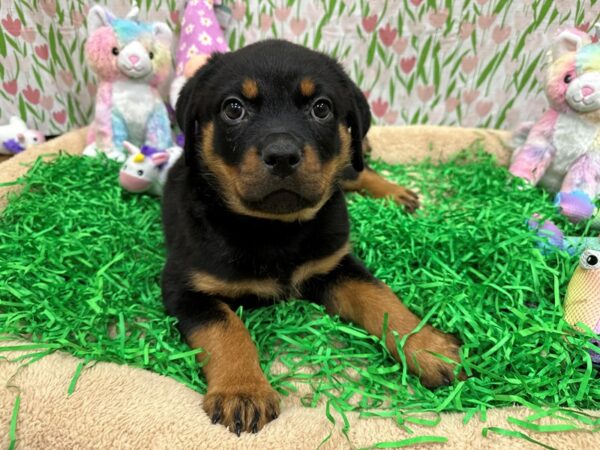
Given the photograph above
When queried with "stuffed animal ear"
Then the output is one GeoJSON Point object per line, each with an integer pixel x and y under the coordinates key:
{"type": "Point", "coordinates": [16, 121]}
{"type": "Point", "coordinates": [162, 33]}
{"type": "Point", "coordinates": [133, 13]}
{"type": "Point", "coordinates": [569, 41]}
{"type": "Point", "coordinates": [98, 17]}
{"type": "Point", "coordinates": [160, 158]}
{"type": "Point", "coordinates": [131, 149]}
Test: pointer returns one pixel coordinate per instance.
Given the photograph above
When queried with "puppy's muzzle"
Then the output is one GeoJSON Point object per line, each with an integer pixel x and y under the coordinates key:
{"type": "Point", "coordinates": [282, 154]}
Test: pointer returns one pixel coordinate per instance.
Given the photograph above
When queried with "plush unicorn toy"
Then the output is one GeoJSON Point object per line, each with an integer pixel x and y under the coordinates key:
{"type": "Point", "coordinates": [16, 137]}
{"type": "Point", "coordinates": [145, 170]}
{"type": "Point", "coordinates": [130, 59]}
{"type": "Point", "coordinates": [562, 150]}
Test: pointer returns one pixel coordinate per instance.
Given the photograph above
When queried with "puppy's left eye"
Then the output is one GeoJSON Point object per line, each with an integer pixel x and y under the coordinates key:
{"type": "Point", "coordinates": [233, 110]}
{"type": "Point", "coordinates": [321, 109]}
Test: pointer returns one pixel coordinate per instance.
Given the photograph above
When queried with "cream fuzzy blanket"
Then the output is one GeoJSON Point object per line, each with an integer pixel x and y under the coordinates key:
{"type": "Point", "coordinates": [117, 406]}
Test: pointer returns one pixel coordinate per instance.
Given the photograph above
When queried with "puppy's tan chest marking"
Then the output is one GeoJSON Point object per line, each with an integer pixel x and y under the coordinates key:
{"type": "Point", "coordinates": [319, 266]}
{"type": "Point", "coordinates": [209, 284]}
{"type": "Point", "coordinates": [267, 287]}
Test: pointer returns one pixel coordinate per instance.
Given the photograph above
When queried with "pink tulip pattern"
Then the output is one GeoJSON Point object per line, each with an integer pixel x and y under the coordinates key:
{"type": "Point", "coordinates": [471, 64]}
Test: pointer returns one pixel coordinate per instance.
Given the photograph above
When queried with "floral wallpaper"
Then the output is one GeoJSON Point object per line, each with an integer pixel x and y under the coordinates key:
{"type": "Point", "coordinates": [453, 62]}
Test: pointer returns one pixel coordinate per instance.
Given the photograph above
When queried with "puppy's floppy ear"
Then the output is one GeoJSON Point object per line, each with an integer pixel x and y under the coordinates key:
{"type": "Point", "coordinates": [193, 108]}
{"type": "Point", "coordinates": [359, 121]}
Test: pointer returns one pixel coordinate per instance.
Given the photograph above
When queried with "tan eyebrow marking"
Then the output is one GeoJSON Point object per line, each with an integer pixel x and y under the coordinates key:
{"type": "Point", "coordinates": [250, 89]}
{"type": "Point", "coordinates": [307, 87]}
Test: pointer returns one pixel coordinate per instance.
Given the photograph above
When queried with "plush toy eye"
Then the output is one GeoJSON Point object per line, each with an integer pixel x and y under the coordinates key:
{"type": "Point", "coordinates": [233, 110]}
{"type": "Point", "coordinates": [115, 51]}
{"type": "Point", "coordinates": [321, 109]}
{"type": "Point", "coordinates": [568, 78]}
{"type": "Point", "coordinates": [151, 55]}
{"type": "Point", "coordinates": [140, 172]}
{"type": "Point", "coordinates": [590, 260]}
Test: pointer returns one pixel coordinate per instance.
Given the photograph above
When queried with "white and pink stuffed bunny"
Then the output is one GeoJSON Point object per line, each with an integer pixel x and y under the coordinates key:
{"type": "Point", "coordinates": [562, 150]}
{"type": "Point", "coordinates": [145, 170]}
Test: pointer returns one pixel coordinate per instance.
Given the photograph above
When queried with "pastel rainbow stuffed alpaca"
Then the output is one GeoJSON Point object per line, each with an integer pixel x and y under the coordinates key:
{"type": "Point", "coordinates": [130, 59]}
{"type": "Point", "coordinates": [582, 301]}
{"type": "Point", "coordinates": [146, 169]}
{"type": "Point", "coordinates": [562, 149]}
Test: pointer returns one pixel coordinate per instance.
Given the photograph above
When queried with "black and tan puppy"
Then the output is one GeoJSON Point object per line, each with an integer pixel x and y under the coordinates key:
{"type": "Point", "coordinates": [255, 212]}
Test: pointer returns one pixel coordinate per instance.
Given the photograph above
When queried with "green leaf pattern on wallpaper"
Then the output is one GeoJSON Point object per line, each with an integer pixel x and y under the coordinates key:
{"type": "Point", "coordinates": [467, 62]}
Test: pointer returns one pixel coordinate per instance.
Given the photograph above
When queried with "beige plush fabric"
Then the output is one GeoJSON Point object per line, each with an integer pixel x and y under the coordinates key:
{"type": "Point", "coordinates": [406, 144]}
{"type": "Point", "coordinates": [16, 166]}
{"type": "Point", "coordinates": [117, 406]}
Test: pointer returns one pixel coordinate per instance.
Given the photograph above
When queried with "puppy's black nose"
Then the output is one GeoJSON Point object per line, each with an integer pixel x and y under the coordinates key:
{"type": "Point", "coordinates": [282, 157]}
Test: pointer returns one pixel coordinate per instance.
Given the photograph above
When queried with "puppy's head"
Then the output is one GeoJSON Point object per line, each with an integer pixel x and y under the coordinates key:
{"type": "Point", "coordinates": [271, 127]}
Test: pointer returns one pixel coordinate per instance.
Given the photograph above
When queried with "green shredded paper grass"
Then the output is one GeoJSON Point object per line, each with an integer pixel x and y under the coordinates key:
{"type": "Point", "coordinates": [81, 261]}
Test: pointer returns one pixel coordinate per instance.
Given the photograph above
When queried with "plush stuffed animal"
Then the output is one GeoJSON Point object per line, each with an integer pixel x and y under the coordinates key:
{"type": "Point", "coordinates": [130, 59]}
{"type": "Point", "coordinates": [201, 36]}
{"type": "Point", "coordinates": [582, 302]}
{"type": "Point", "coordinates": [552, 238]}
{"type": "Point", "coordinates": [16, 137]}
{"type": "Point", "coordinates": [145, 170]}
{"type": "Point", "coordinates": [562, 150]}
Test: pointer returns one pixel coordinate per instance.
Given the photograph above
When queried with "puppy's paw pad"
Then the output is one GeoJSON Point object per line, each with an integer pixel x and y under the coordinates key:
{"type": "Point", "coordinates": [243, 408]}
{"type": "Point", "coordinates": [406, 198]}
{"type": "Point", "coordinates": [421, 353]}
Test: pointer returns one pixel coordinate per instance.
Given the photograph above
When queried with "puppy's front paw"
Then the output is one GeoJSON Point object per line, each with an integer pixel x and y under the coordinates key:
{"type": "Point", "coordinates": [242, 408]}
{"type": "Point", "coordinates": [422, 361]}
{"type": "Point", "coordinates": [404, 197]}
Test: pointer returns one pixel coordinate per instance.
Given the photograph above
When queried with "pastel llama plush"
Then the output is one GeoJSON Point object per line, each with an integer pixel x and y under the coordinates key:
{"type": "Point", "coordinates": [146, 169]}
{"type": "Point", "coordinates": [201, 36]}
{"type": "Point", "coordinates": [562, 150]}
{"type": "Point", "coordinates": [16, 137]}
{"type": "Point", "coordinates": [130, 59]}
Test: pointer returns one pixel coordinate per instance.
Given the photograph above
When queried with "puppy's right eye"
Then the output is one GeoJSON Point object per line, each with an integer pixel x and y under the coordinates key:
{"type": "Point", "coordinates": [233, 110]}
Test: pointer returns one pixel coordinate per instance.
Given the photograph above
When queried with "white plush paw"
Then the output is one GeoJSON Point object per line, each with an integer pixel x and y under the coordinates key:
{"type": "Point", "coordinates": [116, 155]}
{"type": "Point", "coordinates": [91, 150]}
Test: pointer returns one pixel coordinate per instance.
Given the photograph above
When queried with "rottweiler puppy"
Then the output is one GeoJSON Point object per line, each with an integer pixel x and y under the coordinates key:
{"type": "Point", "coordinates": [255, 212]}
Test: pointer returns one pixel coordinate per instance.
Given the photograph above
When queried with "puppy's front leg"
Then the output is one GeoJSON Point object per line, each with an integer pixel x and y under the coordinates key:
{"type": "Point", "coordinates": [239, 395]}
{"type": "Point", "coordinates": [355, 295]}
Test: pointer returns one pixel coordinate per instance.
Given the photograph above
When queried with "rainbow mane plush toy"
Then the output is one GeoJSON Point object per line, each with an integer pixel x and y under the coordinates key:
{"type": "Point", "coordinates": [146, 169]}
{"type": "Point", "coordinates": [16, 137]}
{"type": "Point", "coordinates": [130, 59]}
{"type": "Point", "coordinates": [562, 150]}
